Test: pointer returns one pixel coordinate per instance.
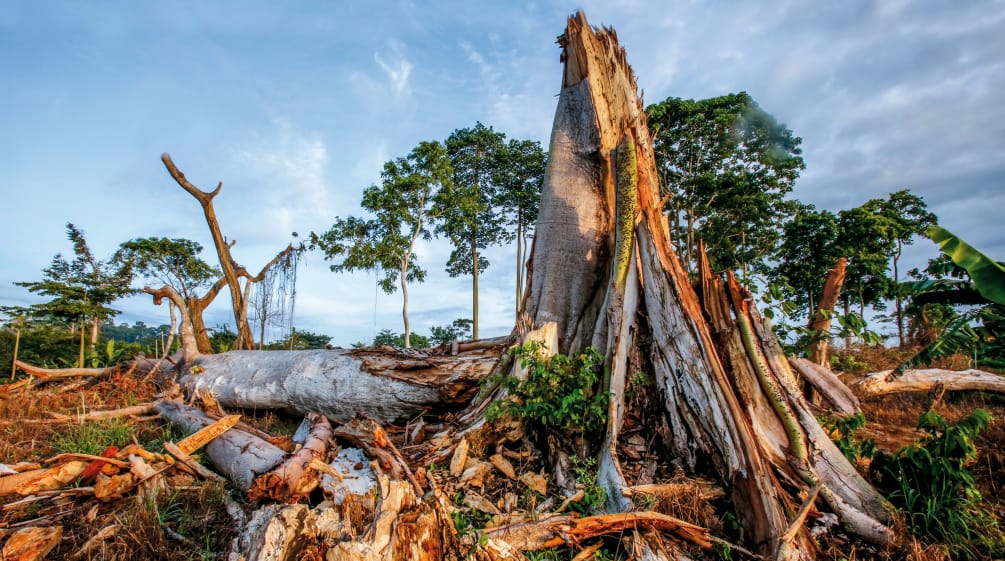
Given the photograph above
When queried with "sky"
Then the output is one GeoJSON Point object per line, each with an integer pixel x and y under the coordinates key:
{"type": "Point", "coordinates": [295, 106]}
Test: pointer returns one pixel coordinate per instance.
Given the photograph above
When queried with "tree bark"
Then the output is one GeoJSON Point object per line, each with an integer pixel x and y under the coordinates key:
{"type": "Point", "coordinates": [820, 322]}
{"type": "Point", "coordinates": [340, 384]}
{"type": "Point", "coordinates": [730, 399]}
{"type": "Point", "coordinates": [240, 456]}
{"type": "Point", "coordinates": [880, 383]}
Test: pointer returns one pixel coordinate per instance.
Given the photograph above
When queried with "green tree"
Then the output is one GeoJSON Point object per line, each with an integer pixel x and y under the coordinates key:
{"type": "Point", "coordinates": [81, 289]}
{"type": "Point", "coordinates": [864, 238]}
{"type": "Point", "coordinates": [725, 167]}
{"type": "Point", "coordinates": [176, 263]}
{"type": "Point", "coordinates": [299, 340]}
{"type": "Point", "coordinates": [403, 209]}
{"type": "Point", "coordinates": [469, 217]}
{"type": "Point", "coordinates": [907, 216]}
{"type": "Point", "coordinates": [809, 249]}
{"type": "Point", "coordinates": [519, 177]}
{"type": "Point", "coordinates": [458, 330]}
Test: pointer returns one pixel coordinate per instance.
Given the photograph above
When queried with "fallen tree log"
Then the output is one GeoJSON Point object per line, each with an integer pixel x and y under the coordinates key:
{"type": "Point", "coordinates": [340, 384]}
{"type": "Point", "coordinates": [827, 385]}
{"type": "Point", "coordinates": [882, 383]}
{"type": "Point", "coordinates": [57, 373]}
{"type": "Point", "coordinates": [239, 456]}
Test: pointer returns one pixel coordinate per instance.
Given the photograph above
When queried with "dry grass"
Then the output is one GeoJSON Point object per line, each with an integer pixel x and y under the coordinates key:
{"type": "Point", "coordinates": [192, 510]}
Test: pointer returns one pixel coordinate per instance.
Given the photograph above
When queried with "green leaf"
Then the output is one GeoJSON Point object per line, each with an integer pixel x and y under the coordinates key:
{"type": "Point", "coordinates": [987, 274]}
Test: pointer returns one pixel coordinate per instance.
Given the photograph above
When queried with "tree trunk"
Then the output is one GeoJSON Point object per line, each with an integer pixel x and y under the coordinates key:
{"type": "Point", "coordinates": [341, 384]}
{"type": "Point", "coordinates": [602, 273]}
{"type": "Point", "coordinates": [820, 322]}
{"type": "Point", "coordinates": [730, 399]}
{"type": "Point", "coordinates": [898, 311]}
{"type": "Point", "coordinates": [404, 308]}
{"type": "Point", "coordinates": [189, 347]}
{"type": "Point", "coordinates": [474, 288]}
{"type": "Point", "coordinates": [881, 383]}
{"type": "Point", "coordinates": [233, 272]}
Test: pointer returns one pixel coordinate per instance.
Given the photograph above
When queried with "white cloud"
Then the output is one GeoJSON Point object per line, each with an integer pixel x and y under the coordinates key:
{"type": "Point", "coordinates": [289, 166]}
{"type": "Point", "coordinates": [395, 66]}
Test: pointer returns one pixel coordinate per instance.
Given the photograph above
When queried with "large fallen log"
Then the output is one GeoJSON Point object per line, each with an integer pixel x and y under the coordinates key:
{"type": "Point", "coordinates": [882, 383]}
{"type": "Point", "coordinates": [339, 384]}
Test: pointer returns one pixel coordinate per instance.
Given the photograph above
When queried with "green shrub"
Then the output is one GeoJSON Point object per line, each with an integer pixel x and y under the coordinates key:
{"type": "Point", "coordinates": [842, 431]}
{"type": "Point", "coordinates": [930, 482]}
{"type": "Point", "coordinates": [594, 496]}
{"type": "Point", "coordinates": [559, 391]}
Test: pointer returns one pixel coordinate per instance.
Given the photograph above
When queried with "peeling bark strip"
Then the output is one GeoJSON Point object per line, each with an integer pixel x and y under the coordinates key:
{"type": "Point", "coordinates": [826, 384]}
{"type": "Point", "coordinates": [340, 384]}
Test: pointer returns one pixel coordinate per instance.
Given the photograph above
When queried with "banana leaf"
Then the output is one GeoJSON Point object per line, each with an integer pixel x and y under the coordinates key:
{"type": "Point", "coordinates": [988, 275]}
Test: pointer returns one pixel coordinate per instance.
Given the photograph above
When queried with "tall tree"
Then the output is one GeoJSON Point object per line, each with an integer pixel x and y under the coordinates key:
{"type": "Point", "coordinates": [725, 166]}
{"type": "Point", "coordinates": [81, 289]}
{"type": "Point", "coordinates": [519, 178]}
{"type": "Point", "coordinates": [403, 209]}
{"type": "Point", "coordinates": [469, 218]}
{"type": "Point", "coordinates": [176, 264]}
{"type": "Point", "coordinates": [808, 251]}
{"type": "Point", "coordinates": [864, 238]}
{"type": "Point", "coordinates": [907, 216]}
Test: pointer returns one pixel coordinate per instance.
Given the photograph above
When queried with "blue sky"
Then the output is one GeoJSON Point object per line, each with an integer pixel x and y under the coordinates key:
{"type": "Point", "coordinates": [295, 106]}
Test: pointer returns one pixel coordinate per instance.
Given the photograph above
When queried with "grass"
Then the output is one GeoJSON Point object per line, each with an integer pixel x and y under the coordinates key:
{"type": "Point", "coordinates": [93, 438]}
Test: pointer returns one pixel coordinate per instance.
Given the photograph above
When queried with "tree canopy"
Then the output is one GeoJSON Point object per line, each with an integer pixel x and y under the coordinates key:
{"type": "Point", "coordinates": [725, 166]}
{"type": "Point", "coordinates": [403, 210]}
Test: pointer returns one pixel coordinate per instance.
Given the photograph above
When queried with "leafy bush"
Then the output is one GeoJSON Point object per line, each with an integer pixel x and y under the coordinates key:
{"type": "Point", "coordinates": [594, 496]}
{"type": "Point", "coordinates": [930, 482]}
{"type": "Point", "coordinates": [558, 391]}
{"type": "Point", "coordinates": [842, 431]}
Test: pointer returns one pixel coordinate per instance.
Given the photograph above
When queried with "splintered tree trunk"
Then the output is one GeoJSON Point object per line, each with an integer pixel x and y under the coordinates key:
{"type": "Point", "coordinates": [820, 323]}
{"type": "Point", "coordinates": [604, 270]}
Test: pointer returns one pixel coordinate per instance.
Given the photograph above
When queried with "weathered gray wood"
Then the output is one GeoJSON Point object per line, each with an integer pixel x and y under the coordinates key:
{"type": "Point", "coordinates": [239, 456]}
{"type": "Point", "coordinates": [833, 391]}
{"type": "Point", "coordinates": [337, 383]}
{"type": "Point", "coordinates": [880, 383]}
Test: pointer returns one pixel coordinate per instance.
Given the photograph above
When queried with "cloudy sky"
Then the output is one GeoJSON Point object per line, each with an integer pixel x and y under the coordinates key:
{"type": "Point", "coordinates": [295, 106]}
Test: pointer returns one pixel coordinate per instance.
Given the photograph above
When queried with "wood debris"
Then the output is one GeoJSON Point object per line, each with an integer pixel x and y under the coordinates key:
{"type": "Point", "coordinates": [31, 544]}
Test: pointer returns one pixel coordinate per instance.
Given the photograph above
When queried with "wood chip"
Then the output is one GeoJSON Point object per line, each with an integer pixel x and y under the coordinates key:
{"type": "Point", "coordinates": [107, 488]}
{"type": "Point", "coordinates": [478, 502]}
{"type": "Point", "coordinates": [460, 458]}
{"type": "Point", "coordinates": [206, 434]}
{"type": "Point", "coordinates": [535, 481]}
{"type": "Point", "coordinates": [503, 465]}
{"type": "Point", "coordinates": [32, 544]}
{"type": "Point", "coordinates": [475, 474]}
{"type": "Point", "coordinates": [47, 479]}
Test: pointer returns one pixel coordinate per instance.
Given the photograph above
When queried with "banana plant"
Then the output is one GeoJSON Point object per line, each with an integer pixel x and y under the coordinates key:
{"type": "Point", "coordinates": [985, 288]}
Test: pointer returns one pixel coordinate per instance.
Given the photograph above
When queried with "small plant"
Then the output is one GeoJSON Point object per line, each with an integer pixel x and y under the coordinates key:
{"type": "Point", "coordinates": [558, 391]}
{"type": "Point", "coordinates": [594, 496]}
{"type": "Point", "coordinates": [930, 482]}
{"type": "Point", "coordinates": [842, 431]}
